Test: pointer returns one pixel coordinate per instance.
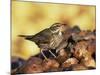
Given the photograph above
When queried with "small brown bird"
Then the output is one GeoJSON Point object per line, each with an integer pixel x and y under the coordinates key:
{"type": "Point", "coordinates": [49, 38]}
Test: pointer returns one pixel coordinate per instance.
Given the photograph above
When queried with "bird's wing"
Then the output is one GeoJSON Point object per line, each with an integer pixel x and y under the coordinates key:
{"type": "Point", "coordinates": [42, 37]}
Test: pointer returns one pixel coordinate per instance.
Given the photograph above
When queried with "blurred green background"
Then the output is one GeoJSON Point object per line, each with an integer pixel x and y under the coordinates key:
{"type": "Point", "coordinates": [32, 17]}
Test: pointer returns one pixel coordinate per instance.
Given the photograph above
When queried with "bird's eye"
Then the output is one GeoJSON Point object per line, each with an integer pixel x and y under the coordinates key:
{"type": "Point", "coordinates": [57, 26]}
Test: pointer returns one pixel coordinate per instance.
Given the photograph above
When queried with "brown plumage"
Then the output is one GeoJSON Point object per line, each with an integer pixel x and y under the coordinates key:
{"type": "Point", "coordinates": [49, 38]}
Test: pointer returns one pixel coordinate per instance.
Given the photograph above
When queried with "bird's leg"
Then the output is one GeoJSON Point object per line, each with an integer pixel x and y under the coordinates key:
{"type": "Point", "coordinates": [44, 55]}
{"type": "Point", "coordinates": [52, 53]}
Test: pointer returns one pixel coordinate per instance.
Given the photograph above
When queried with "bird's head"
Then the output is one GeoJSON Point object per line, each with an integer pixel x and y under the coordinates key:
{"type": "Point", "coordinates": [58, 27]}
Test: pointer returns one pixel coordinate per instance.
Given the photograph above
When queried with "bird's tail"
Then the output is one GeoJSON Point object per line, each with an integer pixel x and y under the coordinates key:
{"type": "Point", "coordinates": [23, 36]}
{"type": "Point", "coordinates": [28, 37]}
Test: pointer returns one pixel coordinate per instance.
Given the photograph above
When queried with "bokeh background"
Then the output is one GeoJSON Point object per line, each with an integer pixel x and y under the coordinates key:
{"type": "Point", "coordinates": [32, 17]}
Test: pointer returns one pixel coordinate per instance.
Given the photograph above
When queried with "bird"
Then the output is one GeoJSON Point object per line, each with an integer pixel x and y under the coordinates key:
{"type": "Point", "coordinates": [49, 38]}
